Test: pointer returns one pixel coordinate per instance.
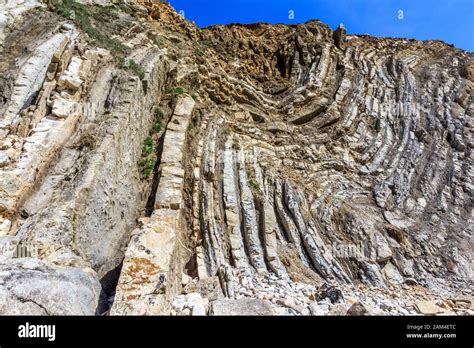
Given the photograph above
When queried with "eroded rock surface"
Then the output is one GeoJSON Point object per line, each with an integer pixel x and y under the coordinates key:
{"type": "Point", "coordinates": [31, 286]}
{"type": "Point", "coordinates": [240, 169]}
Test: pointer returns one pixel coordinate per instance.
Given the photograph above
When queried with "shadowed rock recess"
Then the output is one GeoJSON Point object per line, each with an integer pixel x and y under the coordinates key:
{"type": "Point", "coordinates": [148, 166]}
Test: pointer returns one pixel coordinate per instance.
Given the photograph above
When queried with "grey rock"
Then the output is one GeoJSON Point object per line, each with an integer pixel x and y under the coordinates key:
{"type": "Point", "coordinates": [357, 309]}
{"type": "Point", "coordinates": [32, 287]}
{"type": "Point", "coordinates": [4, 160]}
{"type": "Point", "coordinates": [338, 310]}
{"type": "Point", "coordinates": [243, 306]}
{"type": "Point", "coordinates": [198, 310]}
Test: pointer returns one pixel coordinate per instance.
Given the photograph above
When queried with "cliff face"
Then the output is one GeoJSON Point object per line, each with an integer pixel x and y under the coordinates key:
{"type": "Point", "coordinates": [152, 167]}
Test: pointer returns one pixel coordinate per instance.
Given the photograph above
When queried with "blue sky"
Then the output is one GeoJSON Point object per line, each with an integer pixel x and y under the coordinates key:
{"type": "Point", "coordinates": [449, 20]}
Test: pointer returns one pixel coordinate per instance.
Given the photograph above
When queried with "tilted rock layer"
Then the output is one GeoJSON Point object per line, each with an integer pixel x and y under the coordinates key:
{"type": "Point", "coordinates": [148, 166]}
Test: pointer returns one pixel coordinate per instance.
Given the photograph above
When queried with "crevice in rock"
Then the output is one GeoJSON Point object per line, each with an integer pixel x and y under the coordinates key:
{"type": "Point", "coordinates": [26, 300]}
{"type": "Point", "coordinates": [109, 283]}
{"type": "Point", "coordinates": [150, 204]}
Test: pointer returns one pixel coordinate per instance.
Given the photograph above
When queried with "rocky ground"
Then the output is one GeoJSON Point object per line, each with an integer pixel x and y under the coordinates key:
{"type": "Point", "coordinates": [270, 295]}
{"type": "Point", "coordinates": [149, 166]}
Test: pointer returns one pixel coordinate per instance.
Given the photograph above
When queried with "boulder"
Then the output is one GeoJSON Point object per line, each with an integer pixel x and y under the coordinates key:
{"type": "Point", "coordinates": [5, 226]}
{"type": "Point", "coordinates": [63, 108]}
{"type": "Point", "coordinates": [242, 306]}
{"type": "Point", "coordinates": [428, 307]}
{"type": "Point", "coordinates": [317, 309]}
{"type": "Point", "coordinates": [4, 160]}
{"type": "Point", "coordinates": [392, 275]}
{"type": "Point", "coordinates": [357, 309]}
{"type": "Point", "coordinates": [32, 287]}
{"type": "Point", "coordinates": [339, 309]}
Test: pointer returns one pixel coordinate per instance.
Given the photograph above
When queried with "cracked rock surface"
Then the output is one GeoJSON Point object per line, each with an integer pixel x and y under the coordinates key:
{"type": "Point", "coordinates": [148, 166]}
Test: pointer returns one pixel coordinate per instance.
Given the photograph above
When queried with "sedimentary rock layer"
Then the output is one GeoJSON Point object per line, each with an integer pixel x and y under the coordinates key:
{"type": "Point", "coordinates": [240, 169]}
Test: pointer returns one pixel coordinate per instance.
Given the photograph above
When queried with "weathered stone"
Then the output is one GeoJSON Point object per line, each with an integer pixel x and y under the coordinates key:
{"type": "Point", "coordinates": [153, 246]}
{"type": "Point", "coordinates": [210, 288]}
{"type": "Point", "coordinates": [428, 307]}
{"type": "Point", "coordinates": [357, 309]}
{"type": "Point", "coordinates": [4, 159]}
{"type": "Point", "coordinates": [32, 287]}
{"type": "Point", "coordinates": [392, 274]}
{"type": "Point", "coordinates": [169, 193]}
{"type": "Point", "coordinates": [288, 165]}
{"type": "Point", "coordinates": [5, 225]}
{"type": "Point", "coordinates": [243, 306]}
{"type": "Point", "coordinates": [317, 309]}
{"type": "Point", "coordinates": [338, 309]}
{"type": "Point", "coordinates": [63, 108]}
{"type": "Point", "coordinates": [463, 302]}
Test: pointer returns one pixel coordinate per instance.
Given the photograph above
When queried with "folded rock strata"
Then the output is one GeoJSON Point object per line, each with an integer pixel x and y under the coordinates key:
{"type": "Point", "coordinates": [152, 167]}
